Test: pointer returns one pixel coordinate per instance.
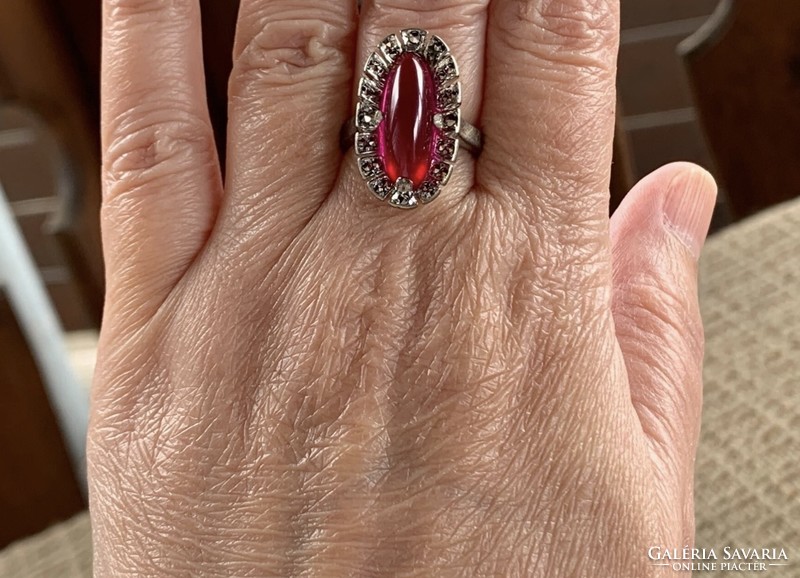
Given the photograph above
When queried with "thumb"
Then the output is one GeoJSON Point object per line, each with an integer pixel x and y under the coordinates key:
{"type": "Point", "coordinates": [657, 235]}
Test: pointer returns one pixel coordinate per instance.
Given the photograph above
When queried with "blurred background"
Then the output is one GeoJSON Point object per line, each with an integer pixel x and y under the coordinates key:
{"type": "Point", "coordinates": [709, 81]}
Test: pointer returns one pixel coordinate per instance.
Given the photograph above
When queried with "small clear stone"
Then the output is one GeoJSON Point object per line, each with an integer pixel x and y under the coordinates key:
{"type": "Point", "coordinates": [391, 47]}
{"type": "Point", "coordinates": [368, 117]}
{"type": "Point", "coordinates": [446, 70]}
{"type": "Point", "coordinates": [403, 199]}
{"type": "Point", "coordinates": [381, 187]}
{"type": "Point", "coordinates": [368, 91]}
{"type": "Point", "coordinates": [446, 148]}
{"type": "Point", "coordinates": [449, 96]}
{"type": "Point", "coordinates": [435, 50]}
{"type": "Point", "coordinates": [440, 172]}
{"type": "Point", "coordinates": [376, 67]}
{"type": "Point", "coordinates": [366, 143]}
{"type": "Point", "coordinates": [413, 39]}
{"type": "Point", "coordinates": [428, 191]}
{"type": "Point", "coordinates": [370, 167]}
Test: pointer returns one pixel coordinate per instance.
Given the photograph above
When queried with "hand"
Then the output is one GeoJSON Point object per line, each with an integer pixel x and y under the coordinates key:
{"type": "Point", "coordinates": [295, 379]}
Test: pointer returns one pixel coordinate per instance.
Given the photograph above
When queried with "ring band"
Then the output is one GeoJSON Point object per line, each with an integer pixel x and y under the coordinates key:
{"type": "Point", "coordinates": [407, 130]}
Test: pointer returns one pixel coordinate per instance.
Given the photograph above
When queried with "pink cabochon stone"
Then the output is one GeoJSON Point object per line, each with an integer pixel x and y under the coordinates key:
{"type": "Point", "coordinates": [407, 133]}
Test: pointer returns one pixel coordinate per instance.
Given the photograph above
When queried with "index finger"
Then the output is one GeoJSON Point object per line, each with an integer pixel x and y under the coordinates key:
{"type": "Point", "coordinates": [161, 177]}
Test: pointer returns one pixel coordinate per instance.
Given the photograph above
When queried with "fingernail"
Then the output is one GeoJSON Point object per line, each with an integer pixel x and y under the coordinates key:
{"type": "Point", "coordinates": [689, 205]}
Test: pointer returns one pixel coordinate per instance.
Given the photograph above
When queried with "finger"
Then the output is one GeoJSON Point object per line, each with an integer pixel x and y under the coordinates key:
{"type": "Point", "coordinates": [289, 96]}
{"type": "Point", "coordinates": [160, 170]}
{"type": "Point", "coordinates": [548, 114]}
{"type": "Point", "coordinates": [657, 234]}
{"type": "Point", "coordinates": [462, 25]}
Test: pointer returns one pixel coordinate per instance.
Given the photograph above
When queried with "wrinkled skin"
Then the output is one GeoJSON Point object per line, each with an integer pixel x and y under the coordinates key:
{"type": "Point", "coordinates": [295, 379]}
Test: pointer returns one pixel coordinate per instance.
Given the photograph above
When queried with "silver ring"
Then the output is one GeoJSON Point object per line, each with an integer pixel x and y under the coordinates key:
{"type": "Point", "coordinates": [408, 127]}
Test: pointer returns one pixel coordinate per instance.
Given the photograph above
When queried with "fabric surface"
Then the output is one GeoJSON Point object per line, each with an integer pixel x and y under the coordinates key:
{"type": "Point", "coordinates": [63, 551]}
{"type": "Point", "coordinates": [748, 471]}
{"type": "Point", "coordinates": [748, 465]}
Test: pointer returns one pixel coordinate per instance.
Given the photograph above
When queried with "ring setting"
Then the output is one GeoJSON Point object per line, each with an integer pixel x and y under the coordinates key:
{"type": "Point", "coordinates": [408, 119]}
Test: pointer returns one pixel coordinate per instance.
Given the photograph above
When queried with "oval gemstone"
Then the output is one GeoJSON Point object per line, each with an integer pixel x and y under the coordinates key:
{"type": "Point", "coordinates": [406, 133]}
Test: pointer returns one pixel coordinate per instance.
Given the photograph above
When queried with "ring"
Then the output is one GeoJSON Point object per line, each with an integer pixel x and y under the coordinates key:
{"type": "Point", "coordinates": [408, 128]}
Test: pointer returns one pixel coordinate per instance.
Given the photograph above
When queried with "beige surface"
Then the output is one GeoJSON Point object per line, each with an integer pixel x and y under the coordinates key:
{"type": "Point", "coordinates": [748, 467]}
{"type": "Point", "coordinates": [63, 551]}
{"type": "Point", "coordinates": [748, 471]}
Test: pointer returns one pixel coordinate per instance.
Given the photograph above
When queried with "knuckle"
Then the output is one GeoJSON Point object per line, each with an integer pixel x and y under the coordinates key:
{"type": "Point", "coordinates": [561, 274]}
{"type": "Point", "coordinates": [444, 14]}
{"type": "Point", "coordinates": [291, 53]}
{"type": "Point", "coordinates": [149, 9]}
{"type": "Point", "coordinates": [150, 143]}
{"type": "Point", "coordinates": [561, 27]}
{"type": "Point", "coordinates": [575, 138]}
{"type": "Point", "coordinates": [563, 52]}
{"type": "Point", "coordinates": [556, 186]}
